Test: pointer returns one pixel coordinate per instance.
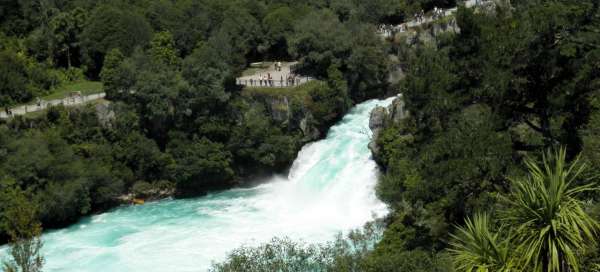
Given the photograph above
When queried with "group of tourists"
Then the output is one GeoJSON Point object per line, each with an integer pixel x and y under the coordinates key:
{"type": "Point", "coordinates": [8, 111]}
{"type": "Point", "coordinates": [437, 13]}
{"type": "Point", "coordinates": [268, 81]}
{"type": "Point", "coordinates": [420, 16]}
{"type": "Point", "coordinates": [391, 30]}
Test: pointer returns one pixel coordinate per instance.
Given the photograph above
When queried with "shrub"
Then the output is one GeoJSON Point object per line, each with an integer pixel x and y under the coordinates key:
{"type": "Point", "coordinates": [141, 189]}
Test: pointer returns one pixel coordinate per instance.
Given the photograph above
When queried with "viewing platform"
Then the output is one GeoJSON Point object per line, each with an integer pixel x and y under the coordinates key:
{"type": "Point", "coordinates": [272, 75]}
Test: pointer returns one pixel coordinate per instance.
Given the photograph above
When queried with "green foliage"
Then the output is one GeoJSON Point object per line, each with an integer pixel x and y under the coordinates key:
{"type": "Point", "coordinates": [110, 71]}
{"type": "Point", "coordinates": [278, 25]}
{"type": "Point", "coordinates": [477, 248]}
{"type": "Point", "coordinates": [199, 164]}
{"type": "Point", "coordinates": [551, 224]}
{"type": "Point", "coordinates": [591, 136]}
{"type": "Point", "coordinates": [141, 189]}
{"type": "Point", "coordinates": [162, 48]}
{"type": "Point", "coordinates": [329, 101]}
{"type": "Point", "coordinates": [511, 84]}
{"type": "Point", "coordinates": [13, 80]}
{"type": "Point", "coordinates": [321, 40]}
{"type": "Point", "coordinates": [277, 255]}
{"type": "Point", "coordinates": [21, 79]}
{"type": "Point", "coordinates": [346, 253]}
{"type": "Point", "coordinates": [548, 225]}
{"type": "Point", "coordinates": [19, 220]}
{"type": "Point", "coordinates": [256, 142]}
{"type": "Point", "coordinates": [111, 27]}
{"type": "Point", "coordinates": [66, 28]}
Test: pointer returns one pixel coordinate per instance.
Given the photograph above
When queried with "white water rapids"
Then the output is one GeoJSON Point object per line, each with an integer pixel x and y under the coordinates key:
{"type": "Point", "coordinates": [330, 189]}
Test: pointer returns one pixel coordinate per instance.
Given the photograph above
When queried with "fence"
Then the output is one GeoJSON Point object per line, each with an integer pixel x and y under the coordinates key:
{"type": "Point", "coordinates": [67, 101]}
{"type": "Point", "coordinates": [273, 83]}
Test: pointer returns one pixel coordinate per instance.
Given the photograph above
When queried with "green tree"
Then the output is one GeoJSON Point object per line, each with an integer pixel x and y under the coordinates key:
{"type": "Point", "coordinates": [19, 220]}
{"type": "Point", "coordinates": [112, 72]}
{"type": "Point", "coordinates": [110, 27]}
{"type": "Point", "coordinates": [199, 164]}
{"type": "Point", "coordinates": [329, 101]}
{"type": "Point", "coordinates": [368, 68]}
{"type": "Point", "coordinates": [13, 79]}
{"type": "Point", "coordinates": [258, 143]}
{"type": "Point", "coordinates": [243, 33]}
{"type": "Point", "coordinates": [66, 28]}
{"type": "Point", "coordinates": [591, 135]}
{"type": "Point", "coordinates": [319, 41]}
{"type": "Point", "coordinates": [278, 25]}
{"type": "Point", "coordinates": [162, 48]}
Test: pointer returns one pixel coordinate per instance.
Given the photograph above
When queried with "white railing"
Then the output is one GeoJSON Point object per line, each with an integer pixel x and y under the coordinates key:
{"type": "Point", "coordinates": [43, 104]}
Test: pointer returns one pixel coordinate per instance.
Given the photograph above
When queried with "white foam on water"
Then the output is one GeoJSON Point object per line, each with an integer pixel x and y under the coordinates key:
{"type": "Point", "coordinates": [330, 189]}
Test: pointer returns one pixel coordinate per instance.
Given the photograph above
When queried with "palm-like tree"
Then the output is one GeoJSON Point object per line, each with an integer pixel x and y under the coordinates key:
{"type": "Point", "coordinates": [476, 248]}
{"type": "Point", "coordinates": [549, 224]}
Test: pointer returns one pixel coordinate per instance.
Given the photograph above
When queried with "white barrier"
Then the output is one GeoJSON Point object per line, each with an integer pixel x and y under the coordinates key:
{"type": "Point", "coordinates": [67, 101]}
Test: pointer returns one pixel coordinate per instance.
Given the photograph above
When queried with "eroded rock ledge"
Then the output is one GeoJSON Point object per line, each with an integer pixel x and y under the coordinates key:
{"type": "Point", "coordinates": [382, 117]}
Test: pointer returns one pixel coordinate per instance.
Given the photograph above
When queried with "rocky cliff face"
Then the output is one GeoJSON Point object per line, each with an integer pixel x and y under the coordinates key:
{"type": "Point", "coordinates": [288, 112]}
{"type": "Point", "coordinates": [382, 117]}
{"type": "Point", "coordinates": [429, 33]}
{"type": "Point", "coordinates": [106, 115]}
{"type": "Point", "coordinates": [405, 43]}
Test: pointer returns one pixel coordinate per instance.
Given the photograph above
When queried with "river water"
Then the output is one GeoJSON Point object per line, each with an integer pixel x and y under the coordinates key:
{"type": "Point", "coordinates": [330, 189]}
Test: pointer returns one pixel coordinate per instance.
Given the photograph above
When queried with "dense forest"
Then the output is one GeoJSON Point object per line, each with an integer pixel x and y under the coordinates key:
{"type": "Point", "coordinates": [496, 166]}
{"type": "Point", "coordinates": [494, 169]}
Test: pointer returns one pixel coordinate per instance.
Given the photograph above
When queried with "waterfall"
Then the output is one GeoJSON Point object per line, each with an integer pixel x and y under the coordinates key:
{"type": "Point", "coordinates": [330, 189]}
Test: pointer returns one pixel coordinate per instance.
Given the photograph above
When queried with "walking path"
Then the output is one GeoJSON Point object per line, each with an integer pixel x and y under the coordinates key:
{"type": "Point", "coordinates": [284, 77]}
{"type": "Point", "coordinates": [68, 101]}
{"type": "Point", "coordinates": [388, 31]}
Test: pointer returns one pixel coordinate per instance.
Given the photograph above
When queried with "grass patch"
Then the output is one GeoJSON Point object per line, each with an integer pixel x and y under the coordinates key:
{"type": "Point", "coordinates": [85, 87]}
{"type": "Point", "coordinates": [297, 92]}
{"type": "Point", "coordinates": [258, 67]}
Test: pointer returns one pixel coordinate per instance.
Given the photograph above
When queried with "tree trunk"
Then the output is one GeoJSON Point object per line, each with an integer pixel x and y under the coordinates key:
{"type": "Point", "coordinates": [68, 57]}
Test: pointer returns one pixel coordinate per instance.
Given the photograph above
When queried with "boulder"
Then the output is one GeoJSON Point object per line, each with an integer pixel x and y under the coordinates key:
{"type": "Point", "coordinates": [396, 110]}
{"type": "Point", "coordinates": [309, 131]}
{"type": "Point", "coordinates": [377, 118]}
{"type": "Point", "coordinates": [105, 114]}
{"type": "Point", "coordinates": [382, 117]}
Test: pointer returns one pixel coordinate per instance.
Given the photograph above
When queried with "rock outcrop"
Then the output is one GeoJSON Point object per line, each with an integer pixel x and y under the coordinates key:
{"type": "Point", "coordinates": [382, 117]}
{"type": "Point", "coordinates": [106, 115]}
{"type": "Point", "coordinates": [428, 33]}
{"type": "Point", "coordinates": [289, 113]}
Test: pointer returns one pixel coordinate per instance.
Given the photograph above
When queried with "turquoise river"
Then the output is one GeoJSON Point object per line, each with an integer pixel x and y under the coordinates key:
{"type": "Point", "coordinates": [329, 189]}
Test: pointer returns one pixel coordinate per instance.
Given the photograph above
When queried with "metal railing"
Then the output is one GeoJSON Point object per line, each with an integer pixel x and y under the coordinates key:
{"type": "Point", "coordinates": [274, 83]}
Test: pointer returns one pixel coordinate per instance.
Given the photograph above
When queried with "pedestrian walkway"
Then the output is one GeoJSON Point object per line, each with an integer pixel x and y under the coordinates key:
{"type": "Point", "coordinates": [274, 77]}
{"type": "Point", "coordinates": [42, 105]}
{"type": "Point", "coordinates": [388, 31]}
